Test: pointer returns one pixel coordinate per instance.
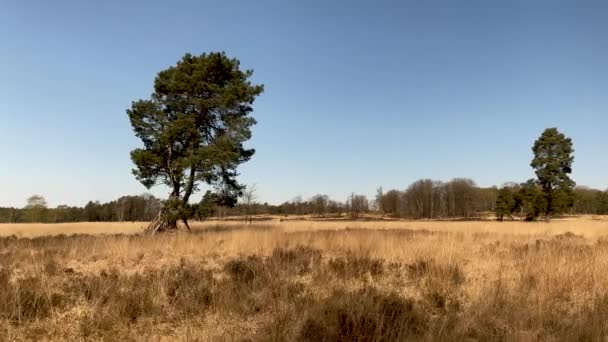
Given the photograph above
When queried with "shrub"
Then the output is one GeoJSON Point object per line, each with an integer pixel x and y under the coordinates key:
{"type": "Point", "coordinates": [450, 274]}
{"type": "Point", "coordinates": [188, 288]}
{"type": "Point", "coordinates": [26, 300]}
{"type": "Point", "coordinates": [299, 260]}
{"type": "Point", "coordinates": [116, 298]}
{"type": "Point", "coordinates": [356, 266]}
{"type": "Point", "coordinates": [247, 270]}
{"type": "Point", "coordinates": [257, 285]}
{"type": "Point", "coordinates": [365, 315]}
{"type": "Point", "coordinates": [98, 289]}
{"type": "Point", "coordinates": [438, 283]}
{"type": "Point", "coordinates": [241, 292]}
{"type": "Point", "coordinates": [419, 268]}
{"type": "Point", "coordinates": [51, 267]}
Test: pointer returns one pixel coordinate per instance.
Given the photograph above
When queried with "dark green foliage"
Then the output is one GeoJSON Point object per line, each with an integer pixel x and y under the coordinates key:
{"type": "Point", "coordinates": [602, 203]}
{"type": "Point", "coordinates": [552, 164]}
{"type": "Point", "coordinates": [505, 203]}
{"type": "Point", "coordinates": [530, 200]}
{"type": "Point", "coordinates": [127, 208]}
{"type": "Point", "coordinates": [206, 207]}
{"type": "Point", "coordinates": [193, 128]}
{"type": "Point", "coordinates": [562, 200]}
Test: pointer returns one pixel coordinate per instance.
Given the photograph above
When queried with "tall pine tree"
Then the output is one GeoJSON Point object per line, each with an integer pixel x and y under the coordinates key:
{"type": "Point", "coordinates": [553, 157]}
{"type": "Point", "coordinates": [193, 128]}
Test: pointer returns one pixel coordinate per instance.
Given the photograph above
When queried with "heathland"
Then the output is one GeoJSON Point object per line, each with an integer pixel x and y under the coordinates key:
{"type": "Point", "coordinates": [307, 280]}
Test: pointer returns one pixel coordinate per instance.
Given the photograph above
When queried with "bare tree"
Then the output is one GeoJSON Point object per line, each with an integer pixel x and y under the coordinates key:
{"type": "Point", "coordinates": [297, 203]}
{"type": "Point", "coordinates": [357, 205]}
{"type": "Point", "coordinates": [378, 200]}
{"type": "Point", "coordinates": [419, 199]}
{"type": "Point", "coordinates": [319, 204]}
{"type": "Point", "coordinates": [389, 203]}
{"type": "Point", "coordinates": [249, 197]}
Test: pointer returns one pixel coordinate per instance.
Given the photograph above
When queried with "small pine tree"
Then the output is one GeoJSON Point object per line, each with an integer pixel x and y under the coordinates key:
{"type": "Point", "coordinates": [505, 203]}
{"type": "Point", "coordinates": [530, 200]}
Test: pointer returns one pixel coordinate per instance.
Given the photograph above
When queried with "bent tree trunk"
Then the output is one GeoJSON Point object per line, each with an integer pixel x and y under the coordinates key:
{"type": "Point", "coordinates": [166, 221]}
{"type": "Point", "coordinates": [161, 223]}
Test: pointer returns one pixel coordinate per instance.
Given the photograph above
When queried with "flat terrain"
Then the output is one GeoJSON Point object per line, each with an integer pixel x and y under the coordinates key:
{"type": "Point", "coordinates": [589, 226]}
{"type": "Point", "coordinates": [307, 280]}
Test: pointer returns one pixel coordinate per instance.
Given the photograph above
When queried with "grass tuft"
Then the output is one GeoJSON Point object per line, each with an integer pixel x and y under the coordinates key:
{"type": "Point", "coordinates": [353, 266]}
{"type": "Point", "coordinates": [298, 260]}
{"type": "Point", "coordinates": [189, 289]}
{"type": "Point", "coordinates": [365, 315]}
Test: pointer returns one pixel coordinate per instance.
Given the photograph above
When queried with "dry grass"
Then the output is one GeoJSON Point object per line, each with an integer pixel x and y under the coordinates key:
{"type": "Point", "coordinates": [308, 281]}
{"type": "Point", "coordinates": [588, 226]}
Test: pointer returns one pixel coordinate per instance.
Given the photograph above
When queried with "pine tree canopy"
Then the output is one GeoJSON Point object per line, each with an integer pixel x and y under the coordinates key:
{"type": "Point", "coordinates": [194, 126]}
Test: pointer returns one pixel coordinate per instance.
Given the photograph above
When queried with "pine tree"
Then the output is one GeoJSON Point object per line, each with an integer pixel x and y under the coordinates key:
{"type": "Point", "coordinates": [193, 128]}
{"type": "Point", "coordinates": [505, 203]}
{"type": "Point", "coordinates": [552, 164]}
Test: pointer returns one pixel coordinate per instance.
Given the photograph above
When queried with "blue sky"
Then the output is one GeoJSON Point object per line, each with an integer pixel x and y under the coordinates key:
{"type": "Point", "coordinates": [359, 94]}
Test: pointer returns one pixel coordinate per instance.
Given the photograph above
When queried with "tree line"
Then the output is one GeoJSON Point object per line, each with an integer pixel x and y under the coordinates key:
{"type": "Point", "coordinates": [127, 208]}
{"type": "Point", "coordinates": [319, 205]}
{"type": "Point", "coordinates": [423, 199]}
{"type": "Point", "coordinates": [527, 201]}
{"type": "Point", "coordinates": [429, 199]}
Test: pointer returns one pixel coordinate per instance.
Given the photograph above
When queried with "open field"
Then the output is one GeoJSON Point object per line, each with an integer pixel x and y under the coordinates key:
{"type": "Point", "coordinates": [590, 226]}
{"type": "Point", "coordinates": [307, 281]}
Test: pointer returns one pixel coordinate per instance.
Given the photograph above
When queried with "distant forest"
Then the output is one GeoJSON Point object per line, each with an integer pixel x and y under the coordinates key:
{"type": "Point", "coordinates": [423, 199]}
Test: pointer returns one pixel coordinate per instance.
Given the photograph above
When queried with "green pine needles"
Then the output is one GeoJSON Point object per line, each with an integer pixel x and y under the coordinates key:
{"type": "Point", "coordinates": [193, 129]}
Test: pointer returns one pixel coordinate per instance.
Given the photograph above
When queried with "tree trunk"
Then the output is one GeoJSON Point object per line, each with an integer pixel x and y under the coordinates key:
{"type": "Point", "coordinates": [160, 224]}
{"type": "Point", "coordinates": [549, 205]}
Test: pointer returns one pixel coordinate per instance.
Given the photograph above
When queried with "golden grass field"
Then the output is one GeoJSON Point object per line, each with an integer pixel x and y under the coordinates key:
{"type": "Point", "coordinates": [307, 280]}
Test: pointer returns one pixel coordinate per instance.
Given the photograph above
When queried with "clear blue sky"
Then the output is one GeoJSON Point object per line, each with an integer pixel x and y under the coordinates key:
{"type": "Point", "coordinates": [359, 94]}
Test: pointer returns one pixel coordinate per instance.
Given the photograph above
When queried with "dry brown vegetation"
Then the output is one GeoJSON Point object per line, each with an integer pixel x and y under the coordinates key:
{"type": "Point", "coordinates": [307, 281]}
